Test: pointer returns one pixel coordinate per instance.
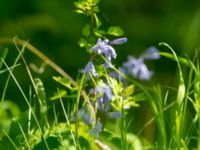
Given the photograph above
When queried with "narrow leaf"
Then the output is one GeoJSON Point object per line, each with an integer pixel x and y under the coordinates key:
{"type": "Point", "coordinates": [5, 52]}
{"type": "Point", "coordinates": [115, 30]}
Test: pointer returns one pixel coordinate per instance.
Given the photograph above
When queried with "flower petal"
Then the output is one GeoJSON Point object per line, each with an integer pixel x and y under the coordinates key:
{"type": "Point", "coordinates": [119, 41]}
{"type": "Point", "coordinates": [151, 53]}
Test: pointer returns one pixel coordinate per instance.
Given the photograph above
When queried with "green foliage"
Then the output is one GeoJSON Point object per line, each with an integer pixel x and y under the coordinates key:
{"type": "Point", "coordinates": [61, 94]}
{"type": "Point", "coordinates": [87, 6]}
{"type": "Point", "coordinates": [63, 81]}
{"type": "Point", "coordinates": [100, 111]}
{"type": "Point", "coordinates": [115, 31]}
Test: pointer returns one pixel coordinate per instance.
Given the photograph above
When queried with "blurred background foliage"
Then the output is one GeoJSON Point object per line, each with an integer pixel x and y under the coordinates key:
{"type": "Point", "coordinates": [54, 28]}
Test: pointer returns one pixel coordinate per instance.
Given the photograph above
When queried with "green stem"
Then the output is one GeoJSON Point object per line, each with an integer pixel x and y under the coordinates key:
{"type": "Point", "coordinates": [92, 20]}
{"type": "Point", "coordinates": [14, 145]}
{"type": "Point", "coordinates": [198, 143]}
{"type": "Point", "coordinates": [123, 128]}
{"type": "Point", "coordinates": [76, 110]}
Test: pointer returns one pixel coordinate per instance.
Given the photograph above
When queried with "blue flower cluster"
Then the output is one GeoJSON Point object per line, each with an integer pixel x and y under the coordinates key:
{"type": "Point", "coordinates": [103, 47]}
{"type": "Point", "coordinates": [103, 94]}
{"type": "Point", "coordinates": [136, 66]}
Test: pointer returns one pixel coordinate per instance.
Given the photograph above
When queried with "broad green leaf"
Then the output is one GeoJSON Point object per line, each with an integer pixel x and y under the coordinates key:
{"type": "Point", "coordinates": [9, 110]}
{"type": "Point", "coordinates": [134, 142]}
{"type": "Point", "coordinates": [61, 94]}
{"type": "Point", "coordinates": [115, 30]}
{"type": "Point", "coordinates": [65, 82]}
{"type": "Point", "coordinates": [82, 42]}
{"type": "Point", "coordinates": [86, 30]}
{"type": "Point", "coordinates": [10, 107]}
{"type": "Point", "coordinates": [129, 90]}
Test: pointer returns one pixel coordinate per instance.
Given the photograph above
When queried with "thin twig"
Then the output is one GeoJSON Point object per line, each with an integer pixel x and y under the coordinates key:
{"type": "Point", "coordinates": [39, 54]}
{"type": "Point", "coordinates": [43, 57]}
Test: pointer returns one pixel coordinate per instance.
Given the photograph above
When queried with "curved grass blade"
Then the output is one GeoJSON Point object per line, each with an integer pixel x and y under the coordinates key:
{"type": "Point", "coordinates": [5, 52]}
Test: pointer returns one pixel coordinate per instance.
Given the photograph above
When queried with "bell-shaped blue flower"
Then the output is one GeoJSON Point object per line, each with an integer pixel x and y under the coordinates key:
{"type": "Point", "coordinates": [119, 41]}
{"type": "Point", "coordinates": [103, 47]}
{"type": "Point", "coordinates": [151, 53]}
{"type": "Point", "coordinates": [104, 95]}
{"type": "Point", "coordinates": [137, 68]}
{"type": "Point", "coordinates": [89, 69]}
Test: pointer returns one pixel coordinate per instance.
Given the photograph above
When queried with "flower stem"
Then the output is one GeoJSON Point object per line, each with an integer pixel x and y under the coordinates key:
{"type": "Point", "coordinates": [76, 111]}
{"type": "Point", "coordinates": [91, 20]}
{"type": "Point", "coordinates": [122, 126]}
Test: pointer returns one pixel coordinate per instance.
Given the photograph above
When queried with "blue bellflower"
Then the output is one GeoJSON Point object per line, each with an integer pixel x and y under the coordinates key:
{"type": "Point", "coordinates": [89, 68]}
{"type": "Point", "coordinates": [84, 115]}
{"type": "Point", "coordinates": [96, 130]}
{"type": "Point", "coordinates": [115, 74]}
{"type": "Point", "coordinates": [103, 47]}
{"type": "Point", "coordinates": [136, 66]}
{"type": "Point", "coordinates": [104, 95]}
{"type": "Point", "coordinates": [151, 53]}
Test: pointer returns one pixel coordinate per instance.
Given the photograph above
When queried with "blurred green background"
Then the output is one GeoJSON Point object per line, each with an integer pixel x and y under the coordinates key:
{"type": "Point", "coordinates": [54, 28]}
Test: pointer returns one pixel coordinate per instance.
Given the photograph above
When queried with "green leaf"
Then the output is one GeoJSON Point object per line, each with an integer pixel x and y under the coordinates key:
{"type": "Point", "coordinates": [61, 94]}
{"type": "Point", "coordinates": [116, 87]}
{"type": "Point", "coordinates": [11, 107]}
{"type": "Point", "coordinates": [79, 11]}
{"type": "Point", "coordinates": [134, 142]}
{"type": "Point", "coordinates": [180, 59]}
{"type": "Point", "coordinates": [181, 88]}
{"type": "Point", "coordinates": [41, 98]}
{"type": "Point", "coordinates": [129, 90]}
{"type": "Point", "coordinates": [86, 30]}
{"type": "Point", "coordinates": [82, 42]}
{"type": "Point", "coordinates": [97, 20]}
{"type": "Point", "coordinates": [115, 30]}
{"type": "Point", "coordinates": [40, 89]}
{"type": "Point", "coordinates": [130, 103]}
{"type": "Point", "coordinates": [65, 82]}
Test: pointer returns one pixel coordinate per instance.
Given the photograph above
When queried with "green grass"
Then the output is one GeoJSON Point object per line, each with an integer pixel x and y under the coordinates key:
{"type": "Point", "coordinates": [176, 118]}
{"type": "Point", "coordinates": [77, 115]}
